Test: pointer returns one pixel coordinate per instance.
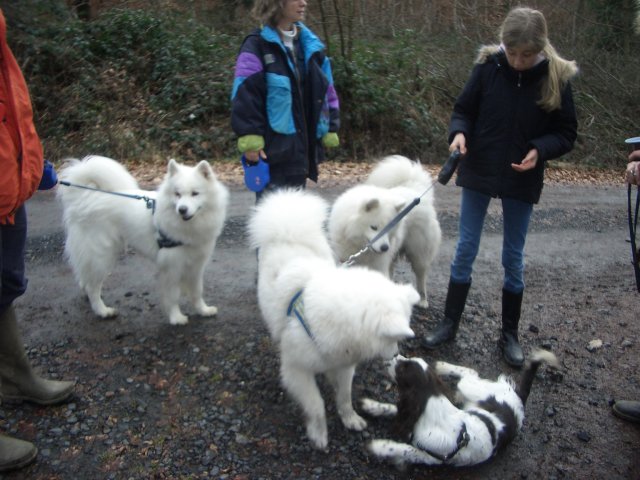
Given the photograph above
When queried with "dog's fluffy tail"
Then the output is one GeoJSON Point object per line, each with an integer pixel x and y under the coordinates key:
{"type": "Point", "coordinates": [398, 171]}
{"type": "Point", "coordinates": [96, 172]}
{"type": "Point", "coordinates": [537, 358]}
{"type": "Point", "coordinates": [288, 215]}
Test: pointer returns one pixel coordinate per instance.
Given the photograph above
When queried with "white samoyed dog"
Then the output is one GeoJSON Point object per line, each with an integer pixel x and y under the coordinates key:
{"type": "Point", "coordinates": [179, 233]}
{"type": "Point", "coordinates": [323, 318]}
{"type": "Point", "coordinates": [361, 212]}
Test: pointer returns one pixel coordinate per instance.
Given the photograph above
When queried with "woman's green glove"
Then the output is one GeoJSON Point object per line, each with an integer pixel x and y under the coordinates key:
{"type": "Point", "coordinates": [330, 140]}
{"type": "Point", "coordinates": [250, 143]}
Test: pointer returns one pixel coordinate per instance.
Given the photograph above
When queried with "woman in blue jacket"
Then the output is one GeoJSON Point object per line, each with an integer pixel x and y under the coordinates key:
{"type": "Point", "coordinates": [284, 105]}
{"type": "Point", "coordinates": [515, 113]}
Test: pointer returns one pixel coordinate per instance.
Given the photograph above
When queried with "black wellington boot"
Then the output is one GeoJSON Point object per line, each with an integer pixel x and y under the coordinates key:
{"type": "Point", "coordinates": [453, 308]}
{"type": "Point", "coordinates": [511, 349]}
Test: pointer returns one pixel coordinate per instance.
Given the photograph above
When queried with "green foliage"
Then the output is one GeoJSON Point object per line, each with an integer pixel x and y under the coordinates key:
{"type": "Point", "coordinates": [143, 84]}
{"type": "Point", "coordinates": [613, 27]}
{"type": "Point", "coordinates": [395, 99]}
{"type": "Point", "coordinates": [131, 84]}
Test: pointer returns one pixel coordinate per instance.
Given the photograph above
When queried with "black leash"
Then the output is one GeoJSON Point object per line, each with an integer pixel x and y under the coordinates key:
{"type": "Point", "coordinates": [445, 174]}
{"type": "Point", "coordinates": [150, 202]}
{"type": "Point", "coordinates": [633, 224]}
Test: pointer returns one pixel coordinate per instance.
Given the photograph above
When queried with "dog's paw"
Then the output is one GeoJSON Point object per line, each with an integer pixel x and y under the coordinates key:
{"type": "Point", "coordinates": [379, 448]}
{"type": "Point", "coordinates": [424, 304]}
{"type": "Point", "coordinates": [208, 310]}
{"type": "Point", "coordinates": [178, 319]}
{"type": "Point", "coordinates": [318, 434]}
{"type": "Point", "coordinates": [377, 409]}
{"type": "Point", "coordinates": [388, 450]}
{"type": "Point", "coordinates": [353, 421]}
{"type": "Point", "coordinates": [107, 312]}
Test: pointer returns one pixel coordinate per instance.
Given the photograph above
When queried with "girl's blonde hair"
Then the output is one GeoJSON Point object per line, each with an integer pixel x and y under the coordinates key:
{"type": "Point", "coordinates": [526, 27]}
{"type": "Point", "coordinates": [268, 12]}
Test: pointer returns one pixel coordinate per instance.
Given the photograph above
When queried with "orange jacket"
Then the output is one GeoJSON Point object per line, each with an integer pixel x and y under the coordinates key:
{"type": "Point", "coordinates": [21, 157]}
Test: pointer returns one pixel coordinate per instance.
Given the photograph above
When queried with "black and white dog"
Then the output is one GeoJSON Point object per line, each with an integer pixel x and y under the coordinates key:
{"type": "Point", "coordinates": [433, 430]}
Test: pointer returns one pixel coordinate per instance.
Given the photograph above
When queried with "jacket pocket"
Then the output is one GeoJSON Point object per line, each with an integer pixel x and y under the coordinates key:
{"type": "Point", "coordinates": [279, 104]}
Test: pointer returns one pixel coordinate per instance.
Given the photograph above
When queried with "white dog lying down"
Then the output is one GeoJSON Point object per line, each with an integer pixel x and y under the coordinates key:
{"type": "Point", "coordinates": [323, 318]}
{"type": "Point", "coordinates": [362, 211]}
{"type": "Point", "coordinates": [179, 234]}
{"type": "Point", "coordinates": [436, 432]}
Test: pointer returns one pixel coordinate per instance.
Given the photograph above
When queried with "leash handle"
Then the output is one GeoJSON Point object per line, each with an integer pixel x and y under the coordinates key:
{"type": "Point", "coordinates": [448, 169]}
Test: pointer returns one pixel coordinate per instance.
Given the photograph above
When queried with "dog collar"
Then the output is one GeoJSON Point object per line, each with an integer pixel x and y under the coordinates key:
{"type": "Point", "coordinates": [296, 306]}
{"type": "Point", "coordinates": [461, 442]}
{"type": "Point", "coordinates": [165, 241]}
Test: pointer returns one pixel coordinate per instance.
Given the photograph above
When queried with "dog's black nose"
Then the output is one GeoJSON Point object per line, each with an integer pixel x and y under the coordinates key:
{"type": "Point", "coordinates": [182, 210]}
{"type": "Point", "coordinates": [384, 248]}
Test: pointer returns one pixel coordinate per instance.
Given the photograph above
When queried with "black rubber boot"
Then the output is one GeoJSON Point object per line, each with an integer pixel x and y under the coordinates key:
{"type": "Point", "coordinates": [511, 349]}
{"type": "Point", "coordinates": [453, 308]}
{"type": "Point", "coordinates": [628, 410]}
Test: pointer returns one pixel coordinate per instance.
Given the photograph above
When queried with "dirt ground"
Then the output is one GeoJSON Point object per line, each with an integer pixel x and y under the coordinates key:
{"type": "Point", "coordinates": [204, 400]}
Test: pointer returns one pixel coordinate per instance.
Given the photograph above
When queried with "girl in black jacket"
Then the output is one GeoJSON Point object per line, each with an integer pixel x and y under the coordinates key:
{"type": "Point", "coordinates": [515, 113]}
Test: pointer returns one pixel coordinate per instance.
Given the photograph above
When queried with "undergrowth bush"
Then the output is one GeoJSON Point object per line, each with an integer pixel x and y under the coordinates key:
{"type": "Point", "coordinates": [148, 84]}
{"type": "Point", "coordinates": [131, 84]}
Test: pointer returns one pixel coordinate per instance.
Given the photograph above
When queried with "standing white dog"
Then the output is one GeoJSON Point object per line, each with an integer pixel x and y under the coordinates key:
{"type": "Point", "coordinates": [323, 318]}
{"type": "Point", "coordinates": [362, 211]}
{"type": "Point", "coordinates": [179, 234]}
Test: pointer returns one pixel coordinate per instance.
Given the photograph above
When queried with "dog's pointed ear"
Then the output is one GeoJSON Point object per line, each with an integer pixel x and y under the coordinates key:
{"type": "Point", "coordinates": [205, 170]}
{"type": "Point", "coordinates": [371, 204]}
{"type": "Point", "coordinates": [172, 168]}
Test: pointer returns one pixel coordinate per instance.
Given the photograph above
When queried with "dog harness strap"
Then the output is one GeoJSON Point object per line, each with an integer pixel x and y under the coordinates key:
{"type": "Point", "coordinates": [296, 306]}
{"type": "Point", "coordinates": [165, 242]}
{"type": "Point", "coordinates": [461, 442]}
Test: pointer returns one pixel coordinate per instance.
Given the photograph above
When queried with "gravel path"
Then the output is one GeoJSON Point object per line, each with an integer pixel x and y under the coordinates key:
{"type": "Point", "coordinates": [204, 400]}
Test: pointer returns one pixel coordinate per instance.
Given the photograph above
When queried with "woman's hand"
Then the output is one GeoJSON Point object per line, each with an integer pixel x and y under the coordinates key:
{"type": "Point", "coordinates": [632, 173]}
{"type": "Point", "coordinates": [254, 155]}
{"type": "Point", "coordinates": [529, 162]}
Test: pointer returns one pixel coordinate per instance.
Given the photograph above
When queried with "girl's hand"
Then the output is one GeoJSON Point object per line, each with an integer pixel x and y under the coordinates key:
{"type": "Point", "coordinates": [529, 162]}
{"type": "Point", "coordinates": [459, 143]}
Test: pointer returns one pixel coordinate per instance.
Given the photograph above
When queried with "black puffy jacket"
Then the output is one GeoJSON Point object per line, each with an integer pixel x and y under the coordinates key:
{"type": "Point", "coordinates": [498, 113]}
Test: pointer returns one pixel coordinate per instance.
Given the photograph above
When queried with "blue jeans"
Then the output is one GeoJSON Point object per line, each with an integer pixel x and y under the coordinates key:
{"type": "Point", "coordinates": [515, 216]}
{"type": "Point", "coordinates": [12, 249]}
